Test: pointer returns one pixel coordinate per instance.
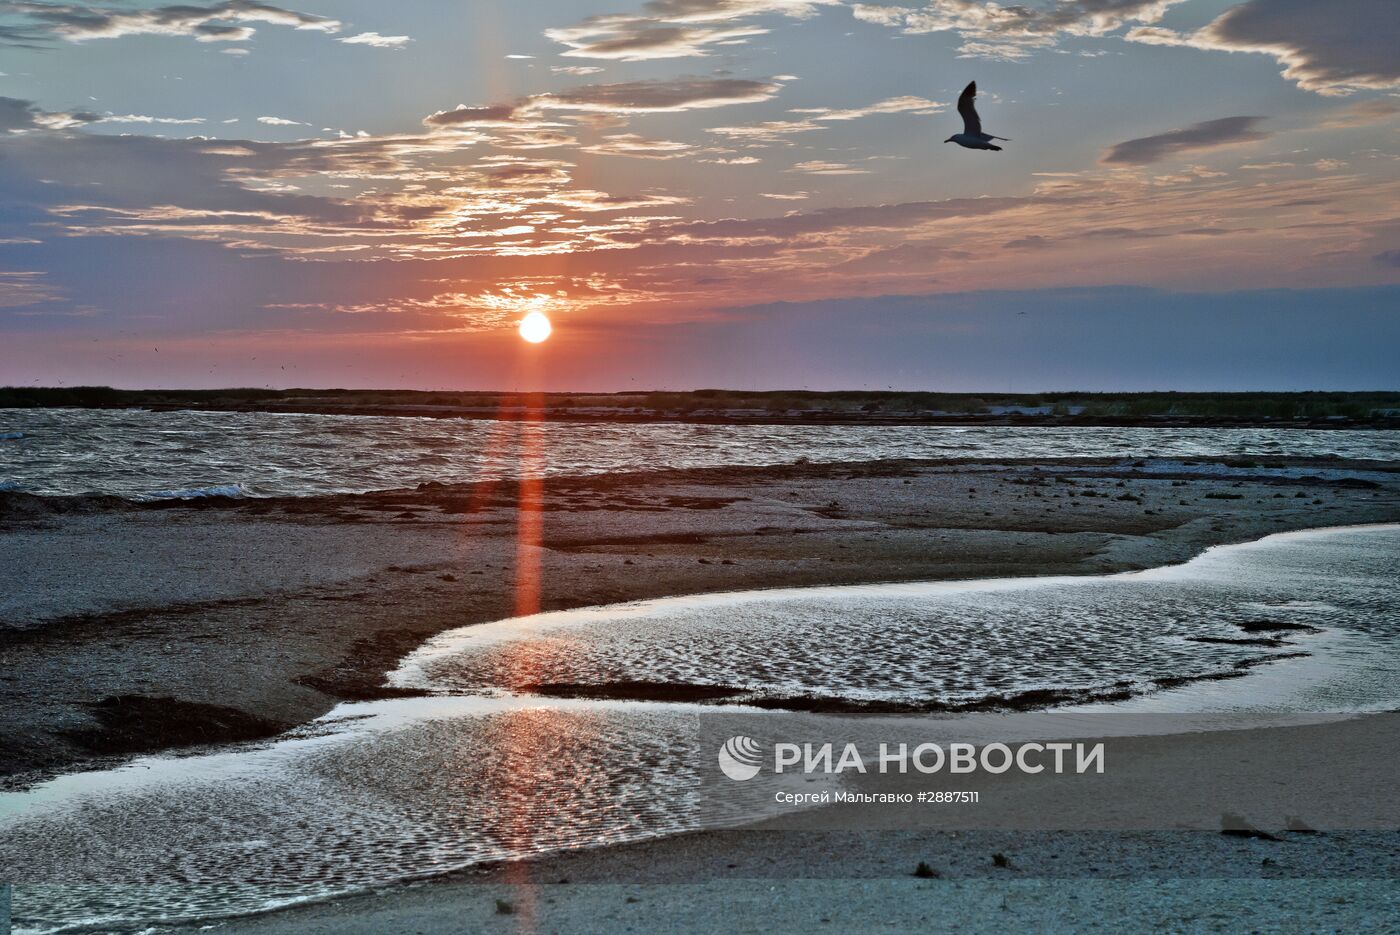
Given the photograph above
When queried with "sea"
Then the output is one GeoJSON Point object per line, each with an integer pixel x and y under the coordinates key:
{"type": "Point", "coordinates": [153, 455]}
{"type": "Point", "coordinates": [475, 765]}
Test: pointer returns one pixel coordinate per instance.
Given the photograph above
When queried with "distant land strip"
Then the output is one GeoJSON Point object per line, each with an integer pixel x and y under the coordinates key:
{"type": "Point", "coordinates": [1318, 409]}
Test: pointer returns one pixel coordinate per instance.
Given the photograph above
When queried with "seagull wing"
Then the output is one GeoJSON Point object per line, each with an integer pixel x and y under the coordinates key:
{"type": "Point", "coordinates": [972, 124]}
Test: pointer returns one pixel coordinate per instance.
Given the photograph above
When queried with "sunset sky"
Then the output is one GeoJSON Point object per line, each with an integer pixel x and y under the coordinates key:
{"type": "Point", "coordinates": [1199, 194]}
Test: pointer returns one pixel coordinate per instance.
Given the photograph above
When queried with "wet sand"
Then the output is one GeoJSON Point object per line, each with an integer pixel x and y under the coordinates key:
{"type": "Point", "coordinates": [826, 870]}
{"type": "Point", "coordinates": [135, 628]}
{"type": "Point", "coordinates": [1008, 902]}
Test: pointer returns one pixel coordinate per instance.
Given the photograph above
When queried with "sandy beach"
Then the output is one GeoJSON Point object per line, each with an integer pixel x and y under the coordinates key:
{"type": "Point", "coordinates": [793, 880]}
{"type": "Point", "coordinates": [250, 616]}
{"type": "Point", "coordinates": [138, 628]}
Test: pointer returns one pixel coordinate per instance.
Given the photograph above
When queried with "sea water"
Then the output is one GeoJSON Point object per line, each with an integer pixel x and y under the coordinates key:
{"type": "Point", "coordinates": [140, 454]}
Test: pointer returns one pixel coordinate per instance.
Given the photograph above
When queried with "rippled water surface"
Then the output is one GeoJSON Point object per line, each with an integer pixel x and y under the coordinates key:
{"type": "Point", "coordinates": [393, 790]}
{"type": "Point", "coordinates": [136, 453]}
{"type": "Point", "coordinates": [951, 643]}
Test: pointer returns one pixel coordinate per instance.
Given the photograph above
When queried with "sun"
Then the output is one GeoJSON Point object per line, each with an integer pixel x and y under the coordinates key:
{"type": "Point", "coordinates": [535, 327]}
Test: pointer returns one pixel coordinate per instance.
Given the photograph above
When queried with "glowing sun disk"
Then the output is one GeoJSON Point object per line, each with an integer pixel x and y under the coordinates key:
{"type": "Point", "coordinates": [535, 327]}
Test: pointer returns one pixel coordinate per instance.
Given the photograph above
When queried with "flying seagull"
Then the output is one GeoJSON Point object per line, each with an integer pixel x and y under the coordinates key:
{"type": "Point", "coordinates": [972, 136]}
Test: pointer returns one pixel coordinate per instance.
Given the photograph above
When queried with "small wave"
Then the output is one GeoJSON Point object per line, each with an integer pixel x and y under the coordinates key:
{"type": "Point", "coordinates": [193, 493]}
{"type": "Point", "coordinates": [300, 454]}
{"type": "Point", "coordinates": [10, 436]}
{"type": "Point", "coordinates": [1266, 606]}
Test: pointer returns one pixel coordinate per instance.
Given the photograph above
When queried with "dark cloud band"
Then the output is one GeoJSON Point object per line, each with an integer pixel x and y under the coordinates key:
{"type": "Point", "coordinates": [1208, 134]}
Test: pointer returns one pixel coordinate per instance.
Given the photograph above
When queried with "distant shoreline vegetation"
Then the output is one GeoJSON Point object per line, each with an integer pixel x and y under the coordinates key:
{"type": "Point", "coordinates": [1315, 409]}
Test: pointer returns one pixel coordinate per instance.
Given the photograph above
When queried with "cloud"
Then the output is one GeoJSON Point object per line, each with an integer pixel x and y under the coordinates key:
{"type": "Point", "coordinates": [1332, 48]}
{"type": "Point", "coordinates": [629, 144]}
{"type": "Point", "coordinates": [143, 118]}
{"type": "Point", "coordinates": [1388, 258]}
{"type": "Point", "coordinates": [777, 131]}
{"type": "Point", "coordinates": [768, 132]}
{"type": "Point", "coordinates": [426, 204]}
{"type": "Point", "coordinates": [894, 105]}
{"type": "Point", "coordinates": [375, 40]}
{"type": "Point", "coordinates": [418, 198]}
{"type": "Point", "coordinates": [24, 288]}
{"type": "Point", "coordinates": [576, 69]}
{"type": "Point", "coordinates": [18, 116]}
{"type": "Point", "coordinates": [222, 22]}
{"type": "Point", "coordinates": [1114, 338]}
{"type": "Point", "coordinates": [659, 96]}
{"type": "Point", "coordinates": [521, 171]}
{"type": "Point", "coordinates": [711, 11]}
{"type": "Point", "coordinates": [594, 101]}
{"type": "Point", "coordinates": [1209, 134]}
{"type": "Point", "coordinates": [464, 116]}
{"type": "Point", "coordinates": [1361, 114]}
{"type": "Point", "coordinates": [1013, 32]}
{"type": "Point", "coordinates": [824, 224]}
{"type": "Point", "coordinates": [818, 167]}
{"type": "Point", "coordinates": [638, 41]}
{"type": "Point", "coordinates": [531, 137]}
{"type": "Point", "coordinates": [78, 182]}
{"type": "Point", "coordinates": [281, 122]}
{"type": "Point", "coordinates": [674, 28]}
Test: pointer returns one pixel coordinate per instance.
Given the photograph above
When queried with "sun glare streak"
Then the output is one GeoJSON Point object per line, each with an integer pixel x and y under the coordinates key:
{"type": "Point", "coordinates": [529, 542]}
{"type": "Point", "coordinates": [529, 509]}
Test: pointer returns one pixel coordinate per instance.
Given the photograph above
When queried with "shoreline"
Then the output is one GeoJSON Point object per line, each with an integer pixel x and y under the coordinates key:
{"type": "Point", "coordinates": [828, 866]}
{"type": "Point", "coordinates": [834, 855]}
{"type": "Point", "coordinates": [814, 418]}
{"type": "Point", "coordinates": [20, 504]}
{"type": "Point", "coordinates": [714, 406]}
{"type": "Point", "coordinates": [312, 600]}
{"type": "Point", "coordinates": [827, 863]}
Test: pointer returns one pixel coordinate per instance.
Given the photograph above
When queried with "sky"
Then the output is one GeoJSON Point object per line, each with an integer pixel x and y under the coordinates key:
{"type": "Point", "coordinates": [1196, 194]}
